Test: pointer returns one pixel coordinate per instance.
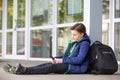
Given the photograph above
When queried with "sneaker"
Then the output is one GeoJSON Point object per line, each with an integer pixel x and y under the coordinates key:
{"type": "Point", "coordinates": [7, 67]}
{"type": "Point", "coordinates": [18, 69]}
{"type": "Point", "coordinates": [12, 70]}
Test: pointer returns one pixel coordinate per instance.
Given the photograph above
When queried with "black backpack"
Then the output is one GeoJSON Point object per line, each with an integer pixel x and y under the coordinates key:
{"type": "Point", "coordinates": [102, 59]}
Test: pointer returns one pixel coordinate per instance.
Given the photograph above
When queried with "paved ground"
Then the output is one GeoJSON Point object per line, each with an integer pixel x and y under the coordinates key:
{"type": "Point", "coordinates": [7, 76]}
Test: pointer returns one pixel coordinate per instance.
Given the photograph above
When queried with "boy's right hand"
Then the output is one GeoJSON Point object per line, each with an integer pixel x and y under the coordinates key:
{"type": "Point", "coordinates": [53, 61]}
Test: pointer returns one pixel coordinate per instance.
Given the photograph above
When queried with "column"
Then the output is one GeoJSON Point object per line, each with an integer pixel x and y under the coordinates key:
{"type": "Point", "coordinates": [93, 19]}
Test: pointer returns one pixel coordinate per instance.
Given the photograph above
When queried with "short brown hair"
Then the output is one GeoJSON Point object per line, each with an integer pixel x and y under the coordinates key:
{"type": "Point", "coordinates": [80, 27]}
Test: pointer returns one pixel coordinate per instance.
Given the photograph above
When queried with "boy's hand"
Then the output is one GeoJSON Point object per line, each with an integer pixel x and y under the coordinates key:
{"type": "Point", "coordinates": [55, 60]}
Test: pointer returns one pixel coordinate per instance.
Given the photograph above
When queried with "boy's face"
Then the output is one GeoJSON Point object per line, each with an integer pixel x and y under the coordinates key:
{"type": "Point", "coordinates": [76, 36]}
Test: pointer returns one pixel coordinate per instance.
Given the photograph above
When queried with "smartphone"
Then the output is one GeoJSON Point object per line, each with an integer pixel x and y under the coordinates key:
{"type": "Point", "coordinates": [52, 57]}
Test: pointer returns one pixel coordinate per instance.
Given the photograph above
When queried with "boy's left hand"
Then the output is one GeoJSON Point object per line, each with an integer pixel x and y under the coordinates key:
{"type": "Point", "coordinates": [56, 60]}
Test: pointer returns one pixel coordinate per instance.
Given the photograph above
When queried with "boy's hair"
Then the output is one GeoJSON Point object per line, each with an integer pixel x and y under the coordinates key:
{"type": "Point", "coordinates": [80, 27]}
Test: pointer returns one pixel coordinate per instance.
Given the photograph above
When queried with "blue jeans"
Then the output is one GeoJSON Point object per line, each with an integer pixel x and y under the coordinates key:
{"type": "Point", "coordinates": [46, 68]}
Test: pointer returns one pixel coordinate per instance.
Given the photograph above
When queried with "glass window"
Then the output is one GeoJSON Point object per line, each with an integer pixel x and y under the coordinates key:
{"type": "Point", "coordinates": [117, 40]}
{"type": "Point", "coordinates": [70, 11]}
{"type": "Point", "coordinates": [9, 43]}
{"type": "Point", "coordinates": [41, 12]}
{"type": "Point", "coordinates": [41, 43]}
{"type": "Point", "coordinates": [63, 37]}
{"type": "Point", "coordinates": [10, 14]}
{"type": "Point", "coordinates": [0, 15]}
{"type": "Point", "coordinates": [0, 44]}
{"type": "Point", "coordinates": [117, 8]}
{"type": "Point", "coordinates": [21, 14]}
{"type": "Point", "coordinates": [105, 9]}
{"type": "Point", "coordinates": [20, 42]}
{"type": "Point", "coordinates": [0, 28]}
{"type": "Point", "coordinates": [105, 33]}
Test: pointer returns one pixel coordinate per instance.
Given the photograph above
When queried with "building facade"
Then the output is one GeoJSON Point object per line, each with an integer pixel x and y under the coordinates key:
{"type": "Point", "coordinates": [37, 29]}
